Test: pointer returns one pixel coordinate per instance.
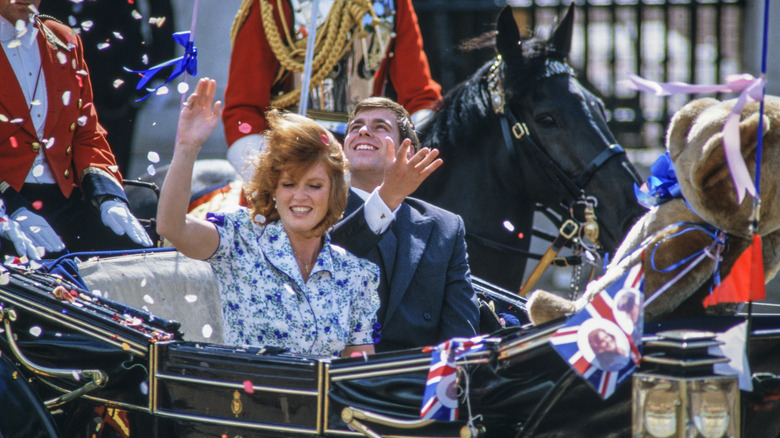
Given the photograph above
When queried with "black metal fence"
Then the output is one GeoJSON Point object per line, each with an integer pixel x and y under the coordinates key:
{"type": "Point", "coordinates": [663, 40]}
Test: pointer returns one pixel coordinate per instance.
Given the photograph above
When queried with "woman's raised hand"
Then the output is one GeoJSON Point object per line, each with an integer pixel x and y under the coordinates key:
{"type": "Point", "coordinates": [199, 115]}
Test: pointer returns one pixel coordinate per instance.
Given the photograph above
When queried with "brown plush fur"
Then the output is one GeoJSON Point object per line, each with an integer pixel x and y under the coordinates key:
{"type": "Point", "coordinates": [695, 144]}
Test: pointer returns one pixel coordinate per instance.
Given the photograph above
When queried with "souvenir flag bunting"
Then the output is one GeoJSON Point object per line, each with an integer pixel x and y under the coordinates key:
{"type": "Point", "coordinates": [601, 342]}
{"type": "Point", "coordinates": [440, 399]}
{"type": "Point", "coordinates": [745, 282]}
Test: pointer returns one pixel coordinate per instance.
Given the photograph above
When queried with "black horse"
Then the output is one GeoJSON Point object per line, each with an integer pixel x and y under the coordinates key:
{"type": "Point", "coordinates": [523, 131]}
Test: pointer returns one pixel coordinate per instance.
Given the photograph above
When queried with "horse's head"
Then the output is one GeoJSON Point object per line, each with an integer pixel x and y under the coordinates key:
{"type": "Point", "coordinates": [557, 131]}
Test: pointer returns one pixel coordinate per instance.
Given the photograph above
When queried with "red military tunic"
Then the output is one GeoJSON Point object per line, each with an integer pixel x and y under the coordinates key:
{"type": "Point", "coordinates": [80, 145]}
{"type": "Point", "coordinates": [253, 68]}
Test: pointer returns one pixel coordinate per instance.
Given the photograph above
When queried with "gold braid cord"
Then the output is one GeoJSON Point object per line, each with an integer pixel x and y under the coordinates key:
{"type": "Point", "coordinates": [333, 40]}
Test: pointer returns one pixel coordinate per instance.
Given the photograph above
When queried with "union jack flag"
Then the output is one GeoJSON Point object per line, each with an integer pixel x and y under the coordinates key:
{"type": "Point", "coordinates": [601, 342]}
{"type": "Point", "coordinates": [440, 399]}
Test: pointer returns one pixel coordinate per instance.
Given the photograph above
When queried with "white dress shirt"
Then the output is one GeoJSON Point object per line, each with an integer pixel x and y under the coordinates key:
{"type": "Point", "coordinates": [20, 46]}
{"type": "Point", "coordinates": [378, 214]}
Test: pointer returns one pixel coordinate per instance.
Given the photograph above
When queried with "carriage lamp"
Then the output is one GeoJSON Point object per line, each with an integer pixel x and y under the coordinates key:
{"type": "Point", "coordinates": [676, 394]}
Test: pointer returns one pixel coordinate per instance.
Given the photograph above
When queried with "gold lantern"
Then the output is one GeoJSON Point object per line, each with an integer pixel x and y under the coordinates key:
{"type": "Point", "coordinates": [677, 394]}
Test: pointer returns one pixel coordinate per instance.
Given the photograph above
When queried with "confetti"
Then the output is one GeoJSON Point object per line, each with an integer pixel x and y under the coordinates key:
{"type": "Point", "coordinates": [162, 90]}
{"type": "Point", "coordinates": [191, 298]}
{"type": "Point", "coordinates": [113, 168]}
{"type": "Point", "coordinates": [103, 46]}
{"type": "Point", "coordinates": [66, 98]}
{"type": "Point", "coordinates": [244, 128]}
{"type": "Point", "coordinates": [508, 225]}
{"type": "Point", "coordinates": [157, 21]}
{"type": "Point", "coordinates": [37, 205]}
{"type": "Point", "coordinates": [87, 25]}
{"type": "Point", "coordinates": [207, 331]}
{"type": "Point", "coordinates": [259, 218]}
{"type": "Point", "coordinates": [76, 376]}
{"type": "Point", "coordinates": [151, 170]}
{"type": "Point", "coordinates": [35, 102]}
{"type": "Point", "coordinates": [144, 388]}
{"type": "Point", "coordinates": [49, 142]}
{"type": "Point", "coordinates": [82, 120]}
{"type": "Point", "coordinates": [72, 21]}
{"type": "Point", "coordinates": [145, 59]}
{"type": "Point", "coordinates": [36, 331]}
{"type": "Point", "coordinates": [5, 278]}
{"type": "Point", "coordinates": [14, 44]}
{"type": "Point", "coordinates": [118, 36]}
{"type": "Point", "coordinates": [3, 118]}
{"type": "Point", "coordinates": [182, 87]}
{"type": "Point", "coordinates": [153, 156]}
{"type": "Point", "coordinates": [118, 83]}
{"type": "Point", "coordinates": [125, 346]}
{"type": "Point", "coordinates": [148, 299]}
{"type": "Point", "coordinates": [248, 387]}
{"type": "Point", "coordinates": [21, 28]}
{"type": "Point", "coordinates": [520, 235]}
{"type": "Point", "coordinates": [289, 288]}
{"type": "Point", "coordinates": [143, 282]}
{"type": "Point", "coordinates": [62, 58]}
{"type": "Point", "coordinates": [37, 171]}
{"type": "Point", "coordinates": [136, 15]}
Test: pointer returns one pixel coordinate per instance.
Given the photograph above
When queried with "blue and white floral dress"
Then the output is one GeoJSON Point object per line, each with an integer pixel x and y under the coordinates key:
{"type": "Point", "coordinates": [265, 301]}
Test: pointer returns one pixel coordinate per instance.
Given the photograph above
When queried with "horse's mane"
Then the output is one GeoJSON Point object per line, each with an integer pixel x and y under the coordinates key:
{"type": "Point", "coordinates": [466, 108]}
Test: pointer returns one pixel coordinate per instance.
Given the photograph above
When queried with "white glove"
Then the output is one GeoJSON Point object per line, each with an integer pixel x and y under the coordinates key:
{"type": "Point", "coordinates": [117, 216]}
{"type": "Point", "coordinates": [13, 232]}
{"type": "Point", "coordinates": [38, 230]}
{"type": "Point", "coordinates": [243, 152]}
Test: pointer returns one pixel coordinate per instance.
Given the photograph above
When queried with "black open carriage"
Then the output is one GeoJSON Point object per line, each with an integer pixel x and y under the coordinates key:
{"type": "Point", "coordinates": [75, 364]}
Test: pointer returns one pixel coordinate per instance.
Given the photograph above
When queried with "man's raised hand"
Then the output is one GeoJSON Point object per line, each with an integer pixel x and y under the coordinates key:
{"type": "Point", "coordinates": [406, 172]}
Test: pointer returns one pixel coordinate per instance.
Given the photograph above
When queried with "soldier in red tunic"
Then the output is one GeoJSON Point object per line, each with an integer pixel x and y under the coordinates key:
{"type": "Point", "coordinates": [59, 184]}
{"type": "Point", "coordinates": [382, 54]}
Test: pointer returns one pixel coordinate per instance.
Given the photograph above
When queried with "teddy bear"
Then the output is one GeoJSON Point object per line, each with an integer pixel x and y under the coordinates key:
{"type": "Point", "coordinates": [706, 220]}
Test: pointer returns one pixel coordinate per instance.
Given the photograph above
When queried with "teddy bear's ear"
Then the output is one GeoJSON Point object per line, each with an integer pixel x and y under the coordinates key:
{"type": "Point", "coordinates": [748, 131]}
{"type": "Point", "coordinates": [681, 124]}
{"type": "Point", "coordinates": [711, 169]}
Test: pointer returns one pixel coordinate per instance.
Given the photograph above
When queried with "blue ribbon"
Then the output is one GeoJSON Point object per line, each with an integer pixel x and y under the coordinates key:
{"type": "Point", "coordinates": [717, 237]}
{"type": "Point", "coordinates": [661, 185]}
{"type": "Point", "coordinates": [188, 62]}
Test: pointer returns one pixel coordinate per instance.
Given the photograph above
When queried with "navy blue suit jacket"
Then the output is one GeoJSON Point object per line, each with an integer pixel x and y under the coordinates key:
{"type": "Point", "coordinates": [425, 284]}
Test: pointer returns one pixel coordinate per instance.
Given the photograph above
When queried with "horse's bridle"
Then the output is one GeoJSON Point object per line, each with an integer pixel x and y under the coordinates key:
{"type": "Point", "coordinates": [516, 133]}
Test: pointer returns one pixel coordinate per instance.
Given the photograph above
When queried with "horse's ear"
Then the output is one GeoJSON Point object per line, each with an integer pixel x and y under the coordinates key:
{"type": "Point", "coordinates": [507, 34]}
{"type": "Point", "coordinates": [561, 38]}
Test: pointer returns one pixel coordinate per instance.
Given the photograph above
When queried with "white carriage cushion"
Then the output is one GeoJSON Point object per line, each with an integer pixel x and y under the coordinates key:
{"type": "Point", "coordinates": [168, 284]}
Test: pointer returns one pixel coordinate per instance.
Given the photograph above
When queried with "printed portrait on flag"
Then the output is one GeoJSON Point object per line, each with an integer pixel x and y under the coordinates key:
{"type": "Point", "coordinates": [603, 344]}
{"type": "Point", "coordinates": [628, 311]}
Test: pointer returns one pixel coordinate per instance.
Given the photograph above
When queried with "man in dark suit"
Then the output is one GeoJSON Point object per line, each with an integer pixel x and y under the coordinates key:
{"type": "Point", "coordinates": [425, 290]}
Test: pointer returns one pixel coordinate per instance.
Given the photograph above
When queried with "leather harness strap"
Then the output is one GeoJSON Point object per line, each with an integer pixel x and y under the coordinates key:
{"type": "Point", "coordinates": [565, 233]}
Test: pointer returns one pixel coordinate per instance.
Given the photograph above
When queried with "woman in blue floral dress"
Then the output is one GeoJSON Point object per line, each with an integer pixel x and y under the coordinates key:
{"type": "Point", "coordinates": [281, 282]}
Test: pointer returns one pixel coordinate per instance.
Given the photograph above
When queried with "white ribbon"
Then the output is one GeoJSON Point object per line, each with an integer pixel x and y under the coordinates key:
{"type": "Point", "coordinates": [751, 89]}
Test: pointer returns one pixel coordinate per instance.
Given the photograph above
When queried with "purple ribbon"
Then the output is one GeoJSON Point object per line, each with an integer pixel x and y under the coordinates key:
{"type": "Point", "coordinates": [187, 62]}
{"type": "Point", "coordinates": [661, 185]}
{"type": "Point", "coordinates": [751, 89]}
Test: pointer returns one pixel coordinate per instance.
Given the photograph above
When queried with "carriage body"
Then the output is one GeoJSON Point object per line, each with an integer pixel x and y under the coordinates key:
{"type": "Point", "coordinates": [155, 383]}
